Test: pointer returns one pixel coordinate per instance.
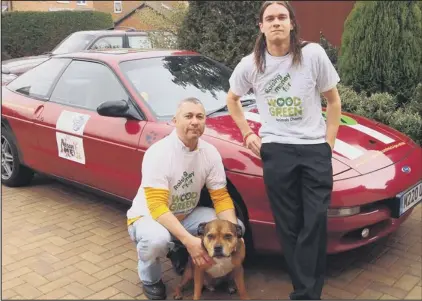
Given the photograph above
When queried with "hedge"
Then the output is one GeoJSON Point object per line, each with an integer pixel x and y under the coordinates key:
{"type": "Point", "coordinates": [222, 30]}
{"type": "Point", "coordinates": [381, 49]}
{"type": "Point", "coordinates": [385, 108]}
{"type": "Point", "coordinates": [34, 33]}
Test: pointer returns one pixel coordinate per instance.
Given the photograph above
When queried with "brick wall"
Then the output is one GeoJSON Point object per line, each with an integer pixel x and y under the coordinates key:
{"type": "Point", "coordinates": [135, 22]}
{"type": "Point", "coordinates": [108, 7]}
{"type": "Point", "coordinates": [47, 5]}
{"type": "Point", "coordinates": [325, 16]}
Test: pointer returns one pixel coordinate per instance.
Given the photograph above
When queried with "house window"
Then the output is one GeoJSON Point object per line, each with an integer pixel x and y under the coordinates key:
{"type": "Point", "coordinates": [81, 2]}
{"type": "Point", "coordinates": [118, 7]}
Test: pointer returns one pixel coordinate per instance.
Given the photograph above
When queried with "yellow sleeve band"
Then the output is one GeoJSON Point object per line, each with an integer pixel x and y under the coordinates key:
{"type": "Point", "coordinates": [157, 201]}
{"type": "Point", "coordinates": [130, 221]}
{"type": "Point", "coordinates": [221, 200]}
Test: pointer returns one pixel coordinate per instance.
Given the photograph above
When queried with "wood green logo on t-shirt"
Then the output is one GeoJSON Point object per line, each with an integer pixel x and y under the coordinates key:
{"type": "Point", "coordinates": [285, 107]}
{"type": "Point", "coordinates": [184, 200]}
{"type": "Point", "coordinates": [185, 181]}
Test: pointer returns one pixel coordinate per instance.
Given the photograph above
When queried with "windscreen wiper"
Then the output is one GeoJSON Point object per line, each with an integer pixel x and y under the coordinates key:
{"type": "Point", "coordinates": [244, 102]}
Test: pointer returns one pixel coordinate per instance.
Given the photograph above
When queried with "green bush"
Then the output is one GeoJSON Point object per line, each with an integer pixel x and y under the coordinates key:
{"type": "Point", "coordinates": [222, 30]}
{"type": "Point", "coordinates": [331, 50]}
{"type": "Point", "coordinates": [381, 48]}
{"type": "Point", "coordinates": [34, 33]}
{"type": "Point", "coordinates": [384, 108]}
{"type": "Point", "coordinates": [416, 102]}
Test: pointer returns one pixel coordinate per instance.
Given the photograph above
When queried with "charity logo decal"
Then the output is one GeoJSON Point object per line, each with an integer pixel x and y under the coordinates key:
{"type": "Point", "coordinates": [72, 122]}
{"type": "Point", "coordinates": [69, 146]}
{"type": "Point", "coordinates": [283, 105]}
{"type": "Point", "coordinates": [184, 200]}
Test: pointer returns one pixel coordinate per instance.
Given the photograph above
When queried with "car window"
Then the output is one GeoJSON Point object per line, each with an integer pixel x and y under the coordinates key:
{"type": "Point", "coordinates": [108, 42]}
{"type": "Point", "coordinates": [75, 42]}
{"type": "Point", "coordinates": [38, 81]}
{"type": "Point", "coordinates": [164, 81]}
{"type": "Point", "coordinates": [139, 42]}
{"type": "Point", "coordinates": [87, 85]}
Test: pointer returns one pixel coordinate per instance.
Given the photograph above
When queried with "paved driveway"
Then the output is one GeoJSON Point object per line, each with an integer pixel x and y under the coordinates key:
{"type": "Point", "coordinates": [61, 243]}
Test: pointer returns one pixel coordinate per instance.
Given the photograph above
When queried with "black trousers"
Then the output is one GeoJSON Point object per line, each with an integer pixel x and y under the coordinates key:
{"type": "Point", "coordinates": [299, 182]}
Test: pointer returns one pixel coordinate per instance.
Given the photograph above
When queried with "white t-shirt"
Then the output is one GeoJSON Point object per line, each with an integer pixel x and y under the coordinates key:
{"type": "Point", "coordinates": [169, 164]}
{"type": "Point", "coordinates": [288, 97]}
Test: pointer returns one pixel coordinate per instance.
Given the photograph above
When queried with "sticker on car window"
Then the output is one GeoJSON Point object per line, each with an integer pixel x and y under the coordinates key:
{"type": "Point", "coordinates": [72, 122]}
{"type": "Point", "coordinates": [145, 96]}
{"type": "Point", "coordinates": [70, 147]}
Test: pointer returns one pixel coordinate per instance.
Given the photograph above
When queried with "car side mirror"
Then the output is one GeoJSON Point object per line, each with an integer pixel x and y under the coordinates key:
{"type": "Point", "coordinates": [119, 108]}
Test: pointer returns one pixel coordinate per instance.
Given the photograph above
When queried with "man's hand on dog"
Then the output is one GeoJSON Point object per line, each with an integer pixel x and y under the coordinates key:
{"type": "Point", "coordinates": [199, 256]}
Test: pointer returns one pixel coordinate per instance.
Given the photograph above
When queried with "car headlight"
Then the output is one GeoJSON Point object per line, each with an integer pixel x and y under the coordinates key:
{"type": "Point", "coordinates": [340, 212]}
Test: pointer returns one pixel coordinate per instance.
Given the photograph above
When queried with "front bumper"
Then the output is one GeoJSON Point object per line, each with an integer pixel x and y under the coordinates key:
{"type": "Point", "coordinates": [378, 196]}
{"type": "Point", "coordinates": [345, 233]}
{"type": "Point", "coordinates": [375, 193]}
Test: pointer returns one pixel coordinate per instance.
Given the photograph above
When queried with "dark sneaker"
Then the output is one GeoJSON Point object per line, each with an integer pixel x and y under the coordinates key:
{"type": "Point", "coordinates": [155, 291]}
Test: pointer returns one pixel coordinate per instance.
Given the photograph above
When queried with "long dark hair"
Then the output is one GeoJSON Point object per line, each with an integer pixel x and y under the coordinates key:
{"type": "Point", "coordinates": [295, 43]}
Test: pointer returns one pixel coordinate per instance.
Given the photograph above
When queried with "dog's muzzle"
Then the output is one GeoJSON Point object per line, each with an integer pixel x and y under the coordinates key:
{"type": "Point", "coordinates": [218, 252]}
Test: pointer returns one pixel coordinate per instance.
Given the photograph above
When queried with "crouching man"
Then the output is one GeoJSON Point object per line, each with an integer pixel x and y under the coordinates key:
{"type": "Point", "coordinates": [165, 209]}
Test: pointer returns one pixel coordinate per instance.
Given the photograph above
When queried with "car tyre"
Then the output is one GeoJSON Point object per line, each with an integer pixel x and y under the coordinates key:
{"type": "Point", "coordinates": [13, 173]}
{"type": "Point", "coordinates": [241, 214]}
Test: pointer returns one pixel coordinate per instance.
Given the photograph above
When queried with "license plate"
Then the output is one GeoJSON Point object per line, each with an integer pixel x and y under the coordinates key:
{"type": "Point", "coordinates": [410, 198]}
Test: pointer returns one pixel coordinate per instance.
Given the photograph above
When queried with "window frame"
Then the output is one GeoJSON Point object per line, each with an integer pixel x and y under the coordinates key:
{"type": "Point", "coordinates": [52, 86]}
{"type": "Point", "coordinates": [107, 36]}
{"type": "Point", "coordinates": [82, 3]}
{"type": "Point", "coordinates": [129, 101]}
{"type": "Point", "coordinates": [121, 7]}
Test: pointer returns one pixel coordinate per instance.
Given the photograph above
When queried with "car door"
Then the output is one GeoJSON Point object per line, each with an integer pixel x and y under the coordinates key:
{"type": "Point", "coordinates": [98, 151]}
{"type": "Point", "coordinates": [31, 93]}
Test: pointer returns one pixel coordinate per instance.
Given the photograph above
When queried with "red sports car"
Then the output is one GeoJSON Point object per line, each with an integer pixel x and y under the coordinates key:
{"type": "Point", "coordinates": [87, 118]}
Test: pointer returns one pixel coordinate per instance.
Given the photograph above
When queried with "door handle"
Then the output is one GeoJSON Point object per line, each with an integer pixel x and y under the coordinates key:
{"type": "Point", "coordinates": [38, 112]}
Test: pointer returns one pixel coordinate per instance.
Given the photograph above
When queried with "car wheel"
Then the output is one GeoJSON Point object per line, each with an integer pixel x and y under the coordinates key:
{"type": "Point", "coordinates": [13, 173]}
{"type": "Point", "coordinates": [241, 214]}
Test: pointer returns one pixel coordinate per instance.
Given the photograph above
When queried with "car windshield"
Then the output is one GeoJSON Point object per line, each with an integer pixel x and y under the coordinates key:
{"type": "Point", "coordinates": [164, 81]}
{"type": "Point", "coordinates": [75, 42]}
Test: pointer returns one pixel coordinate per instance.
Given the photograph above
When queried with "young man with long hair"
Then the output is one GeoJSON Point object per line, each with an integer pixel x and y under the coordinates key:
{"type": "Point", "coordinates": [295, 143]}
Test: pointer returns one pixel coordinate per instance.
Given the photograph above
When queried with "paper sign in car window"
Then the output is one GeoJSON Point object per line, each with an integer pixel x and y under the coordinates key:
{"type": "Point", "coordinates": [72, 122]}
{"type": "Point", "coordinates": [145, 95]}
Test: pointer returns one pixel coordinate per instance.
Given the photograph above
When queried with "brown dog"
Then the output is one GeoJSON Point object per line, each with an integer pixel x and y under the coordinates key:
{"type": "Point", "coordinates": [222, 240]}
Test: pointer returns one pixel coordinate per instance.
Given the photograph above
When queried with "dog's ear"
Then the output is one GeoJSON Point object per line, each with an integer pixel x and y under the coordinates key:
{"type": "Point", "coordinates": [239, 231]}
{"type": "Point", "coordinates": [201, 229]}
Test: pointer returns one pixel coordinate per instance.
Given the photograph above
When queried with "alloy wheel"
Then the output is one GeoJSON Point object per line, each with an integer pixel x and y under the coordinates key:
{"type": "Point", "coordinates": [6, 159]}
